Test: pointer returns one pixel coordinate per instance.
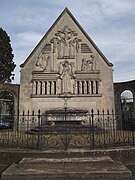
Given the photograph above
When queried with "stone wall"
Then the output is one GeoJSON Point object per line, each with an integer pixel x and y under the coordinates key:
{"type": "Point", "coordinates": [66, 63]}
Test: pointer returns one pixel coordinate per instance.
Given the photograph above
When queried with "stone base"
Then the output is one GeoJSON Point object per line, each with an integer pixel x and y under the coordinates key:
{"type": "Point", "coordinates": [98, 168]}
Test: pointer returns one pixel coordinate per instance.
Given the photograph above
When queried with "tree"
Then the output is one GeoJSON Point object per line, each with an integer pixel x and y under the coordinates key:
{"type": "Point", "coordinates": [6, 58]}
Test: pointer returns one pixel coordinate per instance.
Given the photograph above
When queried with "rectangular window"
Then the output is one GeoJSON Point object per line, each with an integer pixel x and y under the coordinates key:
{"type": "Point", "coordinates": [54, 87]}
{"type": "Point", "coordinates": [82, 87]}
{"type": "Point", "coordinates": [96, 87]}
{"type": "Point", "coordinates": [92, 91]}
{"type": "Point", "coordinates": [45, 87]}
{"type": "Point", "coordinates": [36, 87]}
{"type": "Point", "coordinates": [40, 88]}
{"type": "Point", "coordinates": [78, 91]}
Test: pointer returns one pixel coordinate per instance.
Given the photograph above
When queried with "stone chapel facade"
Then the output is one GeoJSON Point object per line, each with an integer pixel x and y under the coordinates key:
{"type": "Point", "coordinates": [66, 64]}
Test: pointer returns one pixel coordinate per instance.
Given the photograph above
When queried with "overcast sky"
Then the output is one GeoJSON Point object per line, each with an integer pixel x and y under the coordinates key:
{"type": "Point", "coordinates": [110, 24]}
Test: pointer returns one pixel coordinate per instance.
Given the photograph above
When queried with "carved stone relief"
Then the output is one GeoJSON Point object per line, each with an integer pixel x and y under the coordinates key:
{"type": "Point", "coordinates": [65, 46]}
{"type": "Point", "coordinates": [44, 59]}
{"type": "Point", "coordinates": [65, 43]}
{"type": "Point", "coordinates": [66, 76]}
{"type": "Point", "coordinates": [88, 64]}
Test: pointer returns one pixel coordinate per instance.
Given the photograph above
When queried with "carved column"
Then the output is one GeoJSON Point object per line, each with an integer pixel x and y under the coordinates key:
{"type": "Point", "coordinates": [34, 88]}
{"type": "Point", "coordinates": [85, 87]}
{"type": "Point", "coordinates": [43, 87]}
{"type": "Point", "coordinates": [52, 87]}
{"type": "Point", "coordinates": [48, 87]}
{"type": "Point", "coordinates": [58, 86]}
{"type": "Point", "coordinates": [80, 87]}
{"type": "Point", "coordinates": [88, 87]}
{"type": "Point", "coordinates": [38, 87]}
{"type": "Point", "coordinates": [94, 87]}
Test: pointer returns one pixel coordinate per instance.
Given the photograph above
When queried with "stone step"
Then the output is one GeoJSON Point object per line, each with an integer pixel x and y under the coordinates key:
{"type": "Point", "coordinates": [67, 168]}
{"type": "Point", "coordinates": [66, 162]}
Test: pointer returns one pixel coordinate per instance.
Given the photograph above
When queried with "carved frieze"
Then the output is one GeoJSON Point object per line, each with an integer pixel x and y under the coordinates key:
{"type": "Point", "coordinates": [65, 56]}
{"type": "Point", "coordinates": [65, 43]}
{"type": "Point", "coordinates": [88, 64]}
{"type": "Point", "coordinates": [44, 58]}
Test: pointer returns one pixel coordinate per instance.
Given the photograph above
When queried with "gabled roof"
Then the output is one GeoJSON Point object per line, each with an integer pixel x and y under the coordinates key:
{"type": "Point", "coordinates": [80, 27]}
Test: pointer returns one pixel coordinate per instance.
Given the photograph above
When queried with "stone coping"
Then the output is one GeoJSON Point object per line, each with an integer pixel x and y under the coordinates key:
{"type": "Point", "coordinates": [18, 150]}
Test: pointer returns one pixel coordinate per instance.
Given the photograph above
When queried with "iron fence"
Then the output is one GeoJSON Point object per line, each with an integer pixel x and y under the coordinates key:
{"type": "Point", "coordinates": [66, 129]}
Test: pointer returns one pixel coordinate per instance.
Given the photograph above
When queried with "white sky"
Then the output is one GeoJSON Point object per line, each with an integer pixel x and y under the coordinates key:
{"type": "Point", "coordinates": [110, 24]}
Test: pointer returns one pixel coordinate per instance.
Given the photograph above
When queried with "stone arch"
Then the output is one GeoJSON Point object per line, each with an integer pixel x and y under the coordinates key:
{"type": "Point", "coordinates": [119, 88]}
{"type": "Point", "coordinates": [6, 104]}
{"type": "Point", "coordinates": [127, 109]}
{"type": "Point", "coordinates": [127, 95]}
{"type": "Point", "coordinates": [14, 90]}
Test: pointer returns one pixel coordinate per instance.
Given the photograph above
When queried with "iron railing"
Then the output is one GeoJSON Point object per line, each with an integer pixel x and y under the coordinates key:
{"type": "Point", "coordinates": [66, 129]}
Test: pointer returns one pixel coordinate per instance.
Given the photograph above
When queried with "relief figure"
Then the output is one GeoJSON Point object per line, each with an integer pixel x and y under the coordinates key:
{"type": "Point", "coordinates": [65, 43]}
{"type": "Point", "coordinates": [57, 46]}
{"type": "Point", "coordinates": [84, 65]}
{"type": "Point", "coordinates": [71, 49]}
{"type": "Point", "coordinates": [76, 41]}
{"type": "Point", "coordinates": [66, 76]}
{"type": "Point", "coordinates": [88, 64]}
{"type": "Point", "coordinates": [44, 61]}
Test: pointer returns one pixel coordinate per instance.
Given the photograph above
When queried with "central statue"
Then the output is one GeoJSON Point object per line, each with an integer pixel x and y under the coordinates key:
{"type": "Point", "coordinates": [66, 75]}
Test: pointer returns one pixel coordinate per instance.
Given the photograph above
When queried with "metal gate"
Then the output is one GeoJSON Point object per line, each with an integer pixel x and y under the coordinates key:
{"type": "Point", "coordinates": [65, 128]}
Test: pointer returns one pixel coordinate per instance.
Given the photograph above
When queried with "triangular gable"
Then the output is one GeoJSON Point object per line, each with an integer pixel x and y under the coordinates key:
{"type": "Point", "coordinates": [82, 30]}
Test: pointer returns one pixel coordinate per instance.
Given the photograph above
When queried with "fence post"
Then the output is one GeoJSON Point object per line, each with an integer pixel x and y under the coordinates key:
{"type": "Point", "coordinates": [132, 126]}
{"type": "Point", "coordinates": [92, 123]}
{"type": "Point", "coordinates": [27, 128]}
{"type": "Point", "coordinates": [39, 143]}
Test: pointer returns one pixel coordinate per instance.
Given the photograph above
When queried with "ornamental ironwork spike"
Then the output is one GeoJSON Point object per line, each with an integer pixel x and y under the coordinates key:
{"type": "Point", "coordinates": [33, 112]}
{"type": "Point", "coordinates": [23, 113]}
{"type": "Point", "coordinates": [107, 111]}
{"type": "Point", "coordinates": [28, 111]}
